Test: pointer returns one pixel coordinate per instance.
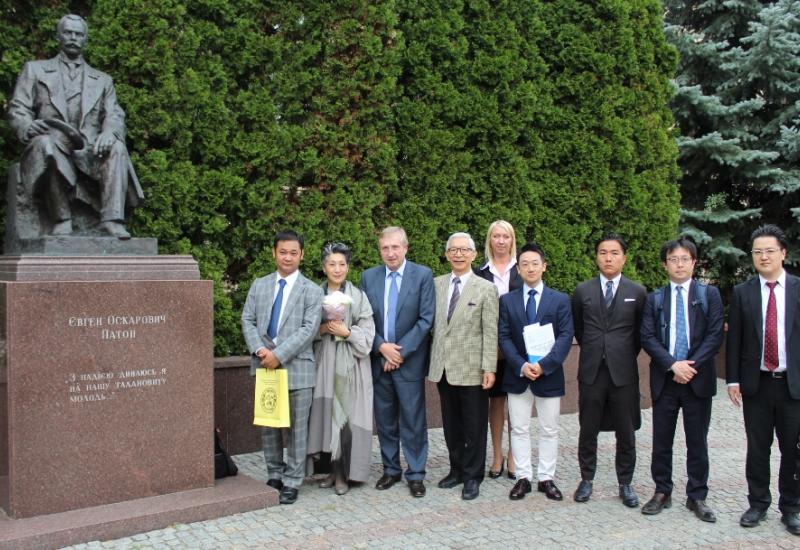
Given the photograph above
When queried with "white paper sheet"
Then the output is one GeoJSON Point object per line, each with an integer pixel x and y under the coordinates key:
{"type": "Point", "coordinates": [539, 340]}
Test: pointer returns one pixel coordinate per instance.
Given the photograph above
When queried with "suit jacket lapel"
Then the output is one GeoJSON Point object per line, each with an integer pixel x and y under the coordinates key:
{"type": "Point", "coordinates": [407, 283]}
{"type": "Point", "coordinates": [753, 296]}
{"type": "Point", "coordinates": [666, 311]}
{"type": "Point", "coordinates": [544, 304]}
{"type": "Point", "coordinates": [52, 79]}
{"type": "Point", "coordinates": [467, 292]}
{"type": "Point", "coordinates": [792, 296]}
{"type": "Point", "coordinates": [441, 301]}
{"type": "Point", "coordinates": [518, 308]}
{"type": "Point", "coordinates": [91, 91]}
{"type": "Point", "coordinates": [599, 299]}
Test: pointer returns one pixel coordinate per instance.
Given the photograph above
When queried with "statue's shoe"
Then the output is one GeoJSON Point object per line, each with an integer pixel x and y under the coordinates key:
{"type": "Point", "coordinates": [115, 229]}
{"type": "Point", "coordinates": [62, 228]}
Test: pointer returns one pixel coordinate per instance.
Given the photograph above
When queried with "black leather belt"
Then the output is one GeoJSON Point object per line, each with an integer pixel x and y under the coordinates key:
{"type": "Point", "coordinates": [774, 374]}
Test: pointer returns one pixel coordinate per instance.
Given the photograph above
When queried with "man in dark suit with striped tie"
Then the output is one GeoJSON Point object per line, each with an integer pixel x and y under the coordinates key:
{"type": "Point", "coordinates": [607, 312]}
{"type": "Point", "coordinates": [763, 373]}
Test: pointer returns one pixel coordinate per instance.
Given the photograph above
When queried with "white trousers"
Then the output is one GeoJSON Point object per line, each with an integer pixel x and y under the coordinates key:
{"type": "Point", "coordinates": [548, 410]}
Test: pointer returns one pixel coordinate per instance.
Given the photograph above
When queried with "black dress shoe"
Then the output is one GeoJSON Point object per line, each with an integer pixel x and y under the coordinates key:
{"type": "Point", "coordinates": [584, 491]}
{"type": "Point", "coordinates": [450, 480]}
{"type": "Point", "coordinates": [288, 495]}
{"type": "Point", "coordinates": [628, 496]}
{"type": "Point", "coordinates": [386, 481]}
{"type": "Point", "coordinates": [495, 475]}
{"type": "Point", "coordinates": [656, 504]}
{"type": "Point", "coordinates": [471, 489]}
{"type": "Point", "coordinates": [550, 490]}
{"type": "Point", "coordinates": [792, 522]}
{"type": "Point", "coordinates": [417, 488]}
{"type": "Point", "coordinates": [522, 488]}
{"type": "Point", "coordinates": [276, 484]}
{"type": "Point", "coordinates": [752, 517]}
{"type": "Point", "coordinates": [701, 510]}
{"type": "Point", "coordinates": [511, 475]}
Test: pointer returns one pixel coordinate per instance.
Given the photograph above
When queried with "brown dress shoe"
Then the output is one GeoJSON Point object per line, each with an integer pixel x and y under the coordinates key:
{"type": "Point", "coordinates": [701, 510]}
{"type": "Point", "coordinates": [656, 504]}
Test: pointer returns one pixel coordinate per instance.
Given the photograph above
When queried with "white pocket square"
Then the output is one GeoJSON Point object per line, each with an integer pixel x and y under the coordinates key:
{"type": "Point", "coordinates": [630, 299]}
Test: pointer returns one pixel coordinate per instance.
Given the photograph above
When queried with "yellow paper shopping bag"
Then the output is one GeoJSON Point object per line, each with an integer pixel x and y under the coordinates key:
{"type": "Point", "coordinates": [272, 398]}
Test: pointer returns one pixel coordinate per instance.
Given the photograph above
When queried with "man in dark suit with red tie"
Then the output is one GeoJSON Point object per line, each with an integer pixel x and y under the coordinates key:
{"type": "Point", "coordinates": [682, 331]}
{"type": "Point", "coordinates": [763, 374]}
{"type": "Point", "coordinates": [607, 312]}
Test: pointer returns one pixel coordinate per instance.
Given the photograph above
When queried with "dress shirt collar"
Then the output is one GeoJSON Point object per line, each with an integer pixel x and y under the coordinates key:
{"type": "Point", "coordinates": [685, 285]}
{"type": "Point", "coordinates": [538, 288]}
{"type": "Point", "coordinates": [493, 269]}
{"type": "Point", "coordinates": [290, 280]}
{"type": "Point", "coordinates": [400, 270]}
{"type": "Point", "coordinates": [781, 280]}
{"type": "Point", "coordinates": [463, 278]}
{"type": "Point", "coordinates": [616, 280]}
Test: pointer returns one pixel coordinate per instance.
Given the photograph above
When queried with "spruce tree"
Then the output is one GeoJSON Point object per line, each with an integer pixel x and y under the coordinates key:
{"type": "Point", "coordinates": [737, 85]}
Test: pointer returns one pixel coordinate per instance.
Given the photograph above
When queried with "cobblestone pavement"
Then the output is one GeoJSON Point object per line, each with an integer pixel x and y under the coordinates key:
{"type": "Point", "coordinates": [367, 518]}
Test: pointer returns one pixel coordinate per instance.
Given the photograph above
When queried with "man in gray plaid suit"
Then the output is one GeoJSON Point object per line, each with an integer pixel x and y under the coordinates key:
{"type": "Point", "coordinates": [280, 318]}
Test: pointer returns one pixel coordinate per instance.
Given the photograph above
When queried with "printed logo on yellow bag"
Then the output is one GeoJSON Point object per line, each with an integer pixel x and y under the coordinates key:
{"type": "Point", "coordinates": [271, 401]}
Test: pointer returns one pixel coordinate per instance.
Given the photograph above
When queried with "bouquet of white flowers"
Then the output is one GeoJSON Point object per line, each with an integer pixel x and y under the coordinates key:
{"type": "Point", "coordinates": [334, 307]}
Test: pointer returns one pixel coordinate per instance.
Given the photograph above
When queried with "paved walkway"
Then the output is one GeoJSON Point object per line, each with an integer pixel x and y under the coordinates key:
{"type": "Point", "coordinates": [367, 518]}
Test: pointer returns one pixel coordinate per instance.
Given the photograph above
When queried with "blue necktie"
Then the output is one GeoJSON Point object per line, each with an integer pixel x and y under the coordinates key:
{"type": "Point", "coordinates": [609, 297]}
{"type": "Point", "coordinates": [391, 312]}
{"type": "Point", "coordinates": [530, 309]}
{"type": "Point", "coordinates": [681, 340]}
{"type": "Point", "coordinates": [275, 316]}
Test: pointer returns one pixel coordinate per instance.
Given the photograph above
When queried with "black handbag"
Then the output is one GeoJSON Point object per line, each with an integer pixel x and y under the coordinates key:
{"type": "Point", "coordinates": [224, 465]}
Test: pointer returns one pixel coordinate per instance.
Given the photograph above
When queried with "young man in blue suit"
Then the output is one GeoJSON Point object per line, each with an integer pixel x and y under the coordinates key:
{"type": "Point", "coordinates": [682, 330]}
{"type": "Point", "coordinates": [540, 382]}
{"type": "Point", "coordinates": [280, 319]}
{"type": "Point", "coordinates": [403, 304]}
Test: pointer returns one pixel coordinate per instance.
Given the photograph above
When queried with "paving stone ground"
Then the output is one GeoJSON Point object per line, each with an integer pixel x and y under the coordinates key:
{"type": "Point", "coordinates": [367, 518]}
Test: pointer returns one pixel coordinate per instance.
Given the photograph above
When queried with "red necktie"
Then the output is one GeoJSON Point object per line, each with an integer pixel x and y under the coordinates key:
{"type": "Point", "coordinates": [771, 331]}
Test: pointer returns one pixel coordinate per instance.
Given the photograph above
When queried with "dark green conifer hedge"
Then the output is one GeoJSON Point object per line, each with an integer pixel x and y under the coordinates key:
{"type": "Point", "coordinates": [338, 118]}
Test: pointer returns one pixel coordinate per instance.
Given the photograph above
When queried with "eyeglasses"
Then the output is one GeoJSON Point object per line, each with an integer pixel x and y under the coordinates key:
{"type": "Point", "coordinates": [762, 251]}
{"type": "Point", "coordinates": [459, 250]}
{"type": "Point", "coordinates": [675, 260]}
{"type": "Point", "coordinates": [526, 265]}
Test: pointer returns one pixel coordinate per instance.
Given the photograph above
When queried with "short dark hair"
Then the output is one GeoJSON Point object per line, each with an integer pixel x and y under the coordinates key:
{"type": "Point", "coordinates": [611, 237]}
{"type": "Point", "coordinates": [336, 248]}
{"type": "Point", "coordinates": [287, 235]}
{"type": "Point", "coordinates": [770, 230]}
{"type": "Point", "coordinates": [531, 247]}
{"type": "Point", "coordinates": [681, 242]}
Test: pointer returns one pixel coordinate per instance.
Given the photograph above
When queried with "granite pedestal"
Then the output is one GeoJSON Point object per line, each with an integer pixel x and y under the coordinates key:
{"type": "Point", "coordinates": [106, 386]}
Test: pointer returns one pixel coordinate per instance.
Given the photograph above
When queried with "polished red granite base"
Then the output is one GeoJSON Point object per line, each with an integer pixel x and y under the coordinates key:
{"type": "Point", "coordinates": [229, 496]}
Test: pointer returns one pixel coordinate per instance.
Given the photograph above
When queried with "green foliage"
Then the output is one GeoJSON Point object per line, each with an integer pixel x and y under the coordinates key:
{"type": "Point", "coordinates": [737, 109]}
{"type": "Point", "coordinates": [339, 118]}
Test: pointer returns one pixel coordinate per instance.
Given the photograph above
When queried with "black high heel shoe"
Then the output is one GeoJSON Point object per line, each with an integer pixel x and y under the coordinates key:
{"type": "Point", "coordinates": [495, 475]}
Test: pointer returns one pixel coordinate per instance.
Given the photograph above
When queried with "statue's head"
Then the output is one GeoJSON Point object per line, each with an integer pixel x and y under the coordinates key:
{"type": "Point", "coordinates": [72, 32]}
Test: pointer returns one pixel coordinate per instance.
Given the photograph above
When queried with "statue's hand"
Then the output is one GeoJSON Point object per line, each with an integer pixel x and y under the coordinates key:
{"type": "Point", "coordinates": [104, 142]}
{"type": "Point", "coordinates": [37, 128]}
